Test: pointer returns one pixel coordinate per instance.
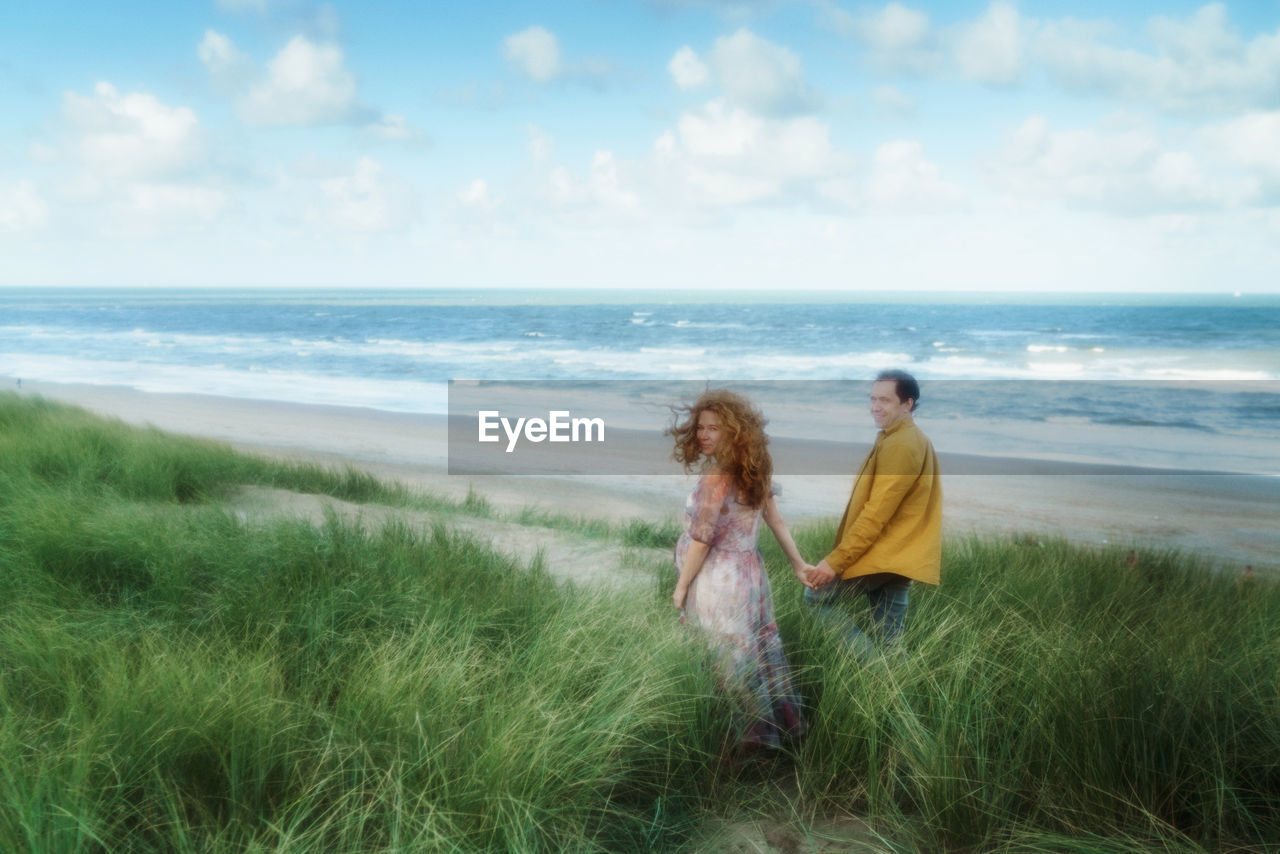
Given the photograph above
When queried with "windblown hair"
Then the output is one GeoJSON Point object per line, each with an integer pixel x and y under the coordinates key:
{"type": "Point", "coordinates": [744, 447]}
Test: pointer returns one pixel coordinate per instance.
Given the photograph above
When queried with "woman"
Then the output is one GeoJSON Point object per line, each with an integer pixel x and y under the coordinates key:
{"type": "Point", "coordinates": [721, 586]}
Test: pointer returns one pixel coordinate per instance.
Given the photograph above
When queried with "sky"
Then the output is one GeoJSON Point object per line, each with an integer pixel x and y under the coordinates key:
{"type": "Point", "coordinates": [615, 144]}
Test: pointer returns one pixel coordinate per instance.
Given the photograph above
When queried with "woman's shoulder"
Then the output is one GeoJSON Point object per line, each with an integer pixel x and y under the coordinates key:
{"type": "Point", "coordinates": [716, 480]}
{"type": "Point", "coordinates": [715, 485]}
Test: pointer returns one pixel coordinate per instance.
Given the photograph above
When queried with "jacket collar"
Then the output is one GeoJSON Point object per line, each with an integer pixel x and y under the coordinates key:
{"type": "Point", "coordinates": [904, 421]}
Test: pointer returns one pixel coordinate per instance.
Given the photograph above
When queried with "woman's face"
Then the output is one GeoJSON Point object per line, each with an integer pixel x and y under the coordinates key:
{"type": "Point", "coordinates": [708, 432]}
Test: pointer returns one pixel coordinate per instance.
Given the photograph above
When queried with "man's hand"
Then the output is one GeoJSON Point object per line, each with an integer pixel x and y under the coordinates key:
{"type": "Point", "coordinates": [819, 576]}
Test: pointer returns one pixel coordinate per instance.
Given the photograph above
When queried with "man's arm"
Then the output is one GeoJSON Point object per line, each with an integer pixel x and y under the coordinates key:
{"type": "Point", "coordinates": [901, 463]}
{"type": "Point", "coordinates": [773, 518]}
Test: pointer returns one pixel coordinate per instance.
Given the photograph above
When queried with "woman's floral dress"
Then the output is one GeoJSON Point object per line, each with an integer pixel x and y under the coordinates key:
{"type": "Point", "coordinates": [730, 601]}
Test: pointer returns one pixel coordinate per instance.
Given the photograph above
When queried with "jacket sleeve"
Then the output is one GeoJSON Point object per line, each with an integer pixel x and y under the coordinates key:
{"type": "Point", "coordinates": [897, 468]}
{"type": "Point", "coordinates": [712, 492]}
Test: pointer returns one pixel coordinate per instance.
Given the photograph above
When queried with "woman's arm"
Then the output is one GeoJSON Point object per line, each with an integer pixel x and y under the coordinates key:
{"type": "Point", "coordinates": [773, 518]}
{"type": "Point", "coordinates": [693, 560]}
{"type": "Point", "coordinates": [711, 493]}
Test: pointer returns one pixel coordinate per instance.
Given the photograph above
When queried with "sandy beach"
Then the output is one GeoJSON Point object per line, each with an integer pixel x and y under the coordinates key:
{"type": "Point", "coordinates": [1228, 518]}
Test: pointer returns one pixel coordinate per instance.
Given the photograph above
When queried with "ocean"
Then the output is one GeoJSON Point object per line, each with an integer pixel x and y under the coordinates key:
{"type": "Point", "coordinates": [1160, 381]}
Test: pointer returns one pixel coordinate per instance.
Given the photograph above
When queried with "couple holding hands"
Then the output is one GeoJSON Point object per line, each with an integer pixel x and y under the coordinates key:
{"type": "Point", "coordinates": [890, 535]}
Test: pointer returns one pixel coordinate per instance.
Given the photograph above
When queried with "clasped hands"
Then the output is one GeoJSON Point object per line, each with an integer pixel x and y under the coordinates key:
{"type": "Point", "coordinates": [815, 577]}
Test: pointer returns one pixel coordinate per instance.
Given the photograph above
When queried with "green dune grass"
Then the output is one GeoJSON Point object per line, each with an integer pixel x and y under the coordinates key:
{"type": "Point", "coordinates": [176, 678]}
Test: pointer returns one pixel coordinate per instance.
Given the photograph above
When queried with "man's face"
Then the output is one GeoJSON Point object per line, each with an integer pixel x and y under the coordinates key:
{"type": "Point", "coordinates": [886, 409]}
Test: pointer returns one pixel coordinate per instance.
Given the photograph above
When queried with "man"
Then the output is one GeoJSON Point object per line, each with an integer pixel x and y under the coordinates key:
{"type": "Point", "coordinates": [891, 533]}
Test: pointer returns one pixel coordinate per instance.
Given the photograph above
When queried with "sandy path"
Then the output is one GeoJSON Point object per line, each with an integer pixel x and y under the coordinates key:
{"type": "Point", "coordinates": [566, 556]}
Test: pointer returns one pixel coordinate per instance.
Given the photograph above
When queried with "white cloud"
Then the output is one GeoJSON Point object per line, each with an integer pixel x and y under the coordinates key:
{"type": "Point", "coordinates": [392, 127]}
{"type": "Point", "coordinates": [898, 37]}
{"type": "Point", "coordinates": [477, 196]}
{"type": "Point", "coordinates": [694, 178]}
{"type": "Point", "coordinates": [718, 188]}
{"type": "Point", "coordinates": [687, 70]}
{"type": "Point", "coordinates": [720, 131]}
{"type": "Point", "coordinates": [760, 75]}
{"type": "Point", "coordinates": [607, 184]}
{"type": "Point", "coordinates": [902, 179]}
{"type": "Point", "coordinates": [726, 155]}
{"type": "Point", "coordinates": [991, 49]}
{"type": "Point", "coordinates": [1196, 64]}
{"type": "Point", "coordinates": [142, 163]}
{"type": "Point", "coordinates": [182, 201]}
{"type": "Point", "coordinates": [895, 27]}
{"type": "Point", "coordinates": [22, 208]}
{"type": "Point", "coordinates": [1199, 64]}
{"type": "Point", "coordinates": [307, 84]}
{"type": "Point", "coordinates": [536, 52]}
{"type": "Point", "coordinates": [131, 135]}
{"type": "Point", "coordinates": [1251, 141]}
{"type": "Point", "coordinates": [363, 202]}
{"type": "Point", "coordinates": [604, 191]}
{"type": "Point", "coordinates": [1205, 34]}
{"type": "Point", "coordinates": [844, 191]}
{"type": "Point", "coordinates": [794, 148]}
{"type": "Point", "coordinates": [1124, 172]}
{"type": "Point", "coordinates": [479, 214]}
{"type": "Point", "coordinates": [357, 201]}
{"type": "Point", "coordinates": [224, 62]}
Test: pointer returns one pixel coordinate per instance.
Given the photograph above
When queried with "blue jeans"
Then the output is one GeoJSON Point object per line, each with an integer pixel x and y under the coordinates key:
{"type": "Point", "coordinates": [886, 594]}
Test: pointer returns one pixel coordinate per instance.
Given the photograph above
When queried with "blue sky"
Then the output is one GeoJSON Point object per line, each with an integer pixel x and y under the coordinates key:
{"type": "Point", "coordinates": [688, 144]}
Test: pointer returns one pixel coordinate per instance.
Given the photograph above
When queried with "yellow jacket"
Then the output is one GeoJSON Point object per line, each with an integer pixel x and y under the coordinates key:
{"type": "Point", "coordinates": [894, 519]}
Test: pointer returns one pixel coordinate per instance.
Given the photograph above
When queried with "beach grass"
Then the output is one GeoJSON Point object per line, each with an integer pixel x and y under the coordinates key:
{"type": "Point", "coordinates": [1049, 691]}
{"type": "Point", "coordinates": [174, 677]}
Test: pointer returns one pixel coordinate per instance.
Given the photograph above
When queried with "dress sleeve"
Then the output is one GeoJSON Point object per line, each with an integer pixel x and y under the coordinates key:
{"type": "Point", "coordinates": [711, 493]}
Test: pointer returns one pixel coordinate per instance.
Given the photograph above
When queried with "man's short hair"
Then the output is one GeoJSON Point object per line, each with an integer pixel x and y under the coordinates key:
{"type": "Point", "coordinates": [904, 385]}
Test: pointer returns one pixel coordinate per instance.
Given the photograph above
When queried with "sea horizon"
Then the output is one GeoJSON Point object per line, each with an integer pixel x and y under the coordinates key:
{"type": "Point", "coordinates": [1163, 382]}
{"type": "Point", "coordinates": [538, 295]}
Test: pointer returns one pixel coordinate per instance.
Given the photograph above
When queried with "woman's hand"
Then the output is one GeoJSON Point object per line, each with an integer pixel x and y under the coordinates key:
{"type": "Point", "coordinates": [678, 597]}
{"type": "Point", "coordinates": [802, 572]}
{"type": "Point", "coordinates": [820, 576]}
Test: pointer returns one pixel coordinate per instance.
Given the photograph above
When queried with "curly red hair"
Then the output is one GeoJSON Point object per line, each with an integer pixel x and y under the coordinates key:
{"type": "Point", "coordinates": [744, 446]}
